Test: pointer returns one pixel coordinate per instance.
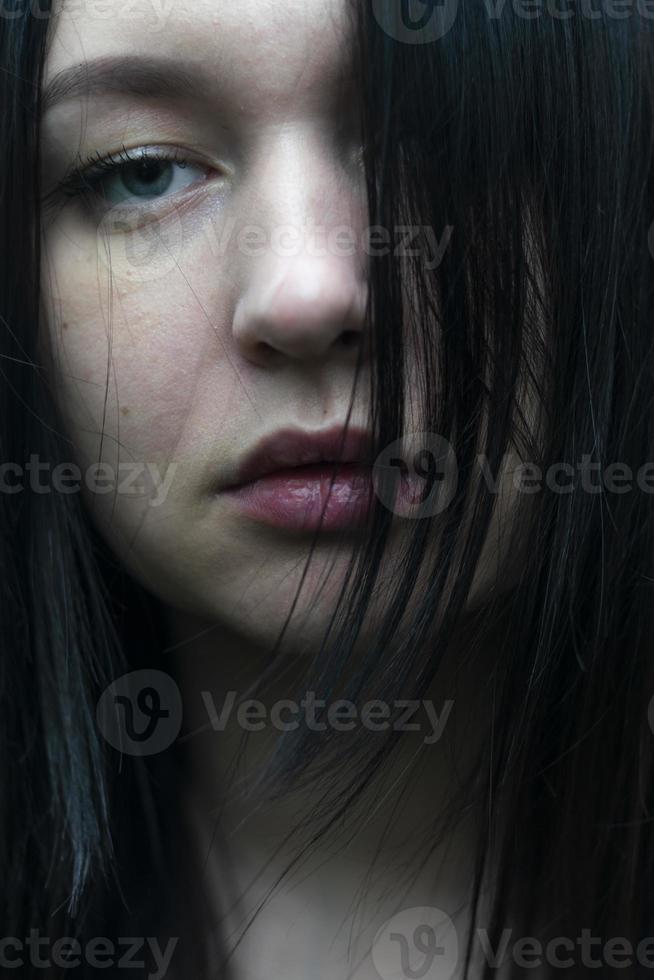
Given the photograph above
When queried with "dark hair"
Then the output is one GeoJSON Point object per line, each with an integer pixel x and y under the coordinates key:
{"type": "Point", "coordinates": [532, 139]}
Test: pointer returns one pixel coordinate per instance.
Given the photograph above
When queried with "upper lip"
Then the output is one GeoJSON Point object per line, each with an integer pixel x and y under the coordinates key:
{"type": "Point", "coordinates": [298, 447]}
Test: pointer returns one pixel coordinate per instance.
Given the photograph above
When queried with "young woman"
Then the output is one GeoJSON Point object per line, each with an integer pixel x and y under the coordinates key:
{"type": "Point", "coordinates": [327, 471]}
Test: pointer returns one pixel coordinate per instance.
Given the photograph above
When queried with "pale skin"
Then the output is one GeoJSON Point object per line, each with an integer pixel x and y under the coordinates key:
{"type": "Point", "coordinates": [196, 347]}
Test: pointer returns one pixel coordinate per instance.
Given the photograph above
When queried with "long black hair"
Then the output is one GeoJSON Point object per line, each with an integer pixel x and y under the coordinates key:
{"type": "Point", "coordinates": [531, 137]}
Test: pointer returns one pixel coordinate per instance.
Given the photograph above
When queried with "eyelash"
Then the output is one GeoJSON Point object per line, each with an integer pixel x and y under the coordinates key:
{"type": "Point", "coordinates": [84, 178]}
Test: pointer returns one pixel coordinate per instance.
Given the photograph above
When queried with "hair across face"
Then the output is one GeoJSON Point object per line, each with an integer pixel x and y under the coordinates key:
{"type": "Point", "coordinates": [265, 139]}
{"type": "Point", "coordinates": [206, 285]}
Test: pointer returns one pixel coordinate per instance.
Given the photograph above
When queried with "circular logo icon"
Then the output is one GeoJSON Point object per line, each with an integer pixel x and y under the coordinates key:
{"type": "Point", "coordinates": [416, 476]}
{"type": "Point", "coordinates": [141, 712]}
{"type": "Point", "coordinates": [415, 21]}
{"type": "Point", "coordinates": [416, 944]}
{"type": "Point", "coordinates": [136, 249]}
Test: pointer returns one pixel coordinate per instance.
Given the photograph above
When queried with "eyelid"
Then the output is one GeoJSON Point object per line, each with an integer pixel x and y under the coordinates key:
{"type": "Point", "coordinates": [80, 178]}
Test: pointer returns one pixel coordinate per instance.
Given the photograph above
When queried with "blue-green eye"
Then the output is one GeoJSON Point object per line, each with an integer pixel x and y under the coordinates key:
{"type": "Point", "coordinates": [147, 180]}
{"type": "Point", "coordinates": [133, 179]}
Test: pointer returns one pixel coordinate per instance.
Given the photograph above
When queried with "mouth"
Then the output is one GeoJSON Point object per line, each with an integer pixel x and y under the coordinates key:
{"type": "Point", "coordinates": [306, 481]}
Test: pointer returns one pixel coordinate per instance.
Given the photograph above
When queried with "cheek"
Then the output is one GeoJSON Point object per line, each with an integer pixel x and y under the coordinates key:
{"type": "Point", "coordinates": [130, 356]}
{"type": "Point", "coordinates": [143, 374]}
{"type": "Point", "coordinates": [130, 344]}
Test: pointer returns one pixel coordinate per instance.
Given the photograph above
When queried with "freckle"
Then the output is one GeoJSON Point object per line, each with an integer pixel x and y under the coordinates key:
{"type": "Point", "coordinates": [125, 410]}
{"type": "Point", "coordinates": [64, 326]}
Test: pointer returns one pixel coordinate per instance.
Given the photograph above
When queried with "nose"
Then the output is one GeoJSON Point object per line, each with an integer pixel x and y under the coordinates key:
{"type": "Point", "coordinates": [304, 298]}
{"type": "Point", "coordinates": [303, 308]}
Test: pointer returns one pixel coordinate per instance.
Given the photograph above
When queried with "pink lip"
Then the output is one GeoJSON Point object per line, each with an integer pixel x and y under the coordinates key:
{"type": "Point", "coordinates": [307, 480]}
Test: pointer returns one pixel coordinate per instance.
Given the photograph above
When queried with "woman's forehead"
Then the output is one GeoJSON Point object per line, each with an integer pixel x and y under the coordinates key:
{"type": "Point", "coordinates": [268, 54]}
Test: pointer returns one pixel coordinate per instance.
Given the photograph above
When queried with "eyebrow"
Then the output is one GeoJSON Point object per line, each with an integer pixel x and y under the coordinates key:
{"type": "Point", "coordinates": [128, 75]}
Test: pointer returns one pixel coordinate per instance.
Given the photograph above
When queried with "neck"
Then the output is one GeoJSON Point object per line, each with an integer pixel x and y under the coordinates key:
{"type": "Point", "coordinates": [387, 845]}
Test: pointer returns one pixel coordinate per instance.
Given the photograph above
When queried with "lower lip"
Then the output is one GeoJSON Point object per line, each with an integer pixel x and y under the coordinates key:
{"type": "Point", "coordinates": [308, 498]}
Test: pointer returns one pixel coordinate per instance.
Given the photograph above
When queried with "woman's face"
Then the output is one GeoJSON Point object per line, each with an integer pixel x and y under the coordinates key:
{"type": "Point", "coordinates": [203, 302]}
